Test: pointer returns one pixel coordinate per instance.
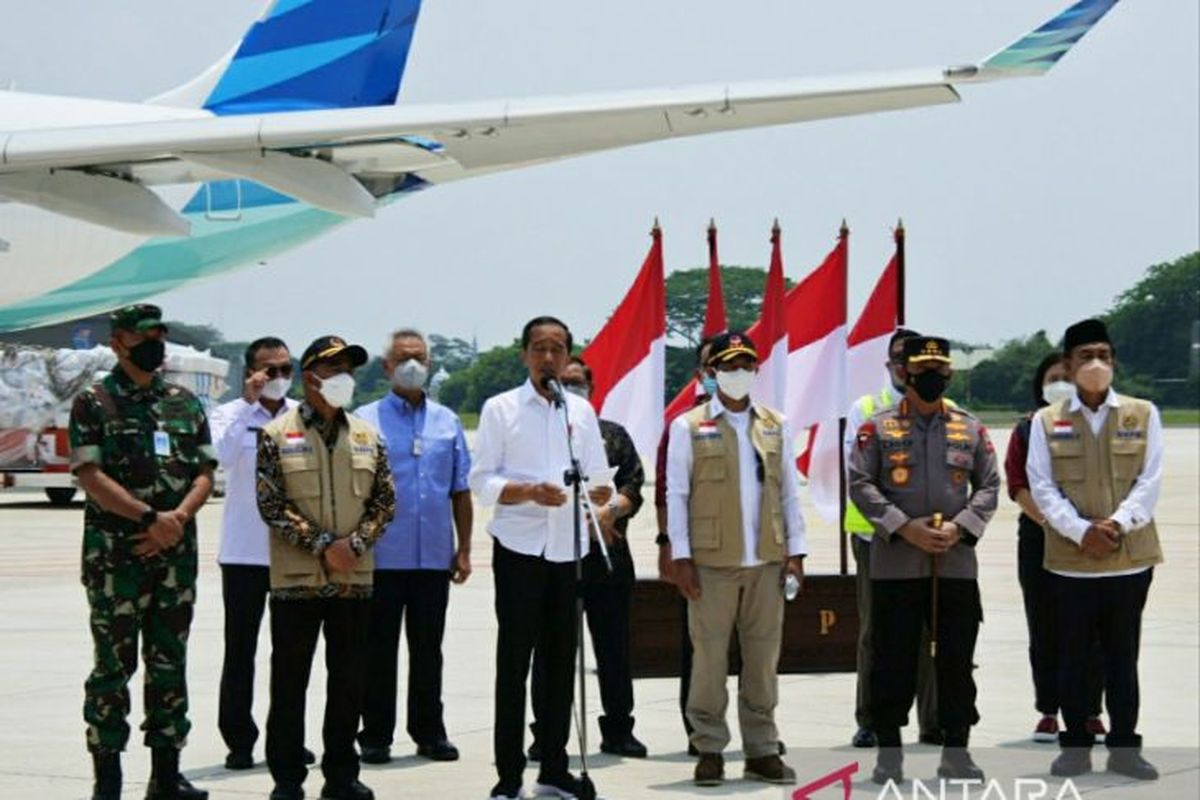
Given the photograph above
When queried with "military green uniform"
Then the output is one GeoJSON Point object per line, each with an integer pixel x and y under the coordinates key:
{"type": "Point", "coordinates": [154, 442]}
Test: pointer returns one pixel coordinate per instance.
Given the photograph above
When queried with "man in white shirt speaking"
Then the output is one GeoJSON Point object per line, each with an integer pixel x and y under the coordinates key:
{"type": "Point", "coordinates": [733, 517]}
{"type": "Point", "coordinates": [519, 466]}
{"type": "Point", "coordinates": [245, 571]}
{"type": "Point", "coordinates": [1095, 467]}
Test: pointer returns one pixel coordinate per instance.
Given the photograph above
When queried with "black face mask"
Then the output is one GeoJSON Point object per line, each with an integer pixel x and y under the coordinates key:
{"type": "Point", "coordinates": [929, 385]}
{"type": "Point", "coordinates": [148, 355]}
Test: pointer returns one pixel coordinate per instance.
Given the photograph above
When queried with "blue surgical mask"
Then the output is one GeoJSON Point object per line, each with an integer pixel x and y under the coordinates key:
{"type": "Point", "coordinates": [709, 384]}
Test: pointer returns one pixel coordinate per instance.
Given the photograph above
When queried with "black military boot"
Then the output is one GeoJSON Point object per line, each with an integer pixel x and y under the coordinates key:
{"type": "Point", "coordinates": [107, 769]}
{"type": "Point", "coordinates": [165, 781]}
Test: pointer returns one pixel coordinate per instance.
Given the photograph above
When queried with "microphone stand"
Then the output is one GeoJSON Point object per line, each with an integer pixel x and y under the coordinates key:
{"type": "Point", "coordinates": [575, 478]}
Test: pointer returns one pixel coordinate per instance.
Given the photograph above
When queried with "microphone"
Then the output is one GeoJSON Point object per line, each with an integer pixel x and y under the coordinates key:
{"type": "Point", "coordinates": [551, 385]}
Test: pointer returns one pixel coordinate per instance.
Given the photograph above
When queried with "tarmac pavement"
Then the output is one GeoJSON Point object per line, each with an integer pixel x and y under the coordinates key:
{"type": "Point", "coordinates": [45, 654]}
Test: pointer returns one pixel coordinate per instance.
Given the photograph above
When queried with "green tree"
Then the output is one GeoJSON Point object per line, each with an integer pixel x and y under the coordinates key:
{"type": "Point", "coordinates": [1151, 323]}
{"type": "Point", "coordinates": [495, 371]}
{"type": "Point", "coordinates": [1005, 379]}
{"type": "Point", "coordinates": [450, 353]}
{"type": "Point", "coordinates": [687, 297]}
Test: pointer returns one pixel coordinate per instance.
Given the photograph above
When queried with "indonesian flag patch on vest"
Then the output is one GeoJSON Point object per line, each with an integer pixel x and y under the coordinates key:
{"type": "Point", "coordinates": [1063, 429]}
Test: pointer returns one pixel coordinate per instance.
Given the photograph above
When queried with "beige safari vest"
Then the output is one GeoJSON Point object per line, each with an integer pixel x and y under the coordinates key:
{"type": "Point", "coordinates": [1096, 473]}
{"type": "Point", "coordinates": [328, 485]}
{"type": "Point", "coordinates": [715, 503]}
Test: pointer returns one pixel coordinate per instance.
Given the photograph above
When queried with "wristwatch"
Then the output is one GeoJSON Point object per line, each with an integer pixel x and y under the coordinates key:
{"type": "Point", "coordinates": [148, 518]}
{"type": "Point", "coordinates": [662, 539]}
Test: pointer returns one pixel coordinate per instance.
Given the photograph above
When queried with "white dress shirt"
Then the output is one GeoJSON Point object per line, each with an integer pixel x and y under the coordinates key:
{"type": "Point", "coordinates": [235, 427]}
{"type": "Point", "coordinates": [522, 439]}
{"type": "Point", "coordinates": [1135, 510]}
{"type": "Point", "coordinates": [679, 487]}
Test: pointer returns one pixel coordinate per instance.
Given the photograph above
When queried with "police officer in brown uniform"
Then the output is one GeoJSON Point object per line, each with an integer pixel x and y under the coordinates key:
{"type": "Point", "coordinates": [1094, 466]}
{"type": "Point", "coordinates": [924, 474]}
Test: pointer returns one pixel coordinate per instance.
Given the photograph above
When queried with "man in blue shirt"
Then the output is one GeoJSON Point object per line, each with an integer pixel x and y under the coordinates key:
{"type": "Point", "coordinates": [416, 559]}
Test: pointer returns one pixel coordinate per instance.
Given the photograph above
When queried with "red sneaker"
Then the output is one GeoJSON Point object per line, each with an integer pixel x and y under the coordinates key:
{"type": "Point", "coordinates": [1046, 730]}
{"type": "Point", "coordinates": [1096, 728]}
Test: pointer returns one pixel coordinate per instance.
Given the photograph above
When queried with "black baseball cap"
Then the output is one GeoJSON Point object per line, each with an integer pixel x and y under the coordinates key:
{"type": "Point", "coordinates": [730, 345]}
{"type": "Point", "coordinates": [326, 347]}
{"type": "Point", "coordinates": [923, 349]}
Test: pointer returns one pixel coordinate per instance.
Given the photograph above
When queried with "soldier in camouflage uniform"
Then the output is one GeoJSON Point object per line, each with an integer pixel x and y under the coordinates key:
{"type": "Point", "coordinates": [140, 448]}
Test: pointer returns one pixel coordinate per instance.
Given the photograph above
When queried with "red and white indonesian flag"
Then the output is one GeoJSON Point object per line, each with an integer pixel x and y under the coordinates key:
{"type": "Point", "coordinates": [715, 322]}
{"type": "Point", "coordinates": [628, 356]}
{"type": "Point", "coordinates": [868, 341]}
{"type": "Point", "coordinates": [770, 335]}
{"type": "Point", "coordinates": [816, 373]}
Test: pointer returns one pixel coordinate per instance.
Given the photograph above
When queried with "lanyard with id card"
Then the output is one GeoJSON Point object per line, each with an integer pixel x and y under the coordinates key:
{"type": "Point", "coordinates": [162, 443]}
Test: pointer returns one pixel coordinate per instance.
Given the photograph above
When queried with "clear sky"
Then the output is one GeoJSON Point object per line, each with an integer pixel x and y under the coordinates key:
{"type": "Point", "coordinates": [1029, 205]}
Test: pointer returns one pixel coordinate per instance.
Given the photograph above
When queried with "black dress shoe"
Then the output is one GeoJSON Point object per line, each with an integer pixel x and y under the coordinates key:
{"type": "Point", "coordinates": [864, 737]}
{"type": "Point", "coordinates": [627, 746]}
{"type": "Point", "coordinates": [310, 757]}
{"type": "Point", "coordinates": [1072, 762]}
{"type": "Point", "coordinates": [534, 753]}
{"type": "Point", "coordinates": [441, 750]}
{"type": "Point", "coordinates": [889, 766]}
{"type": "Point", "coordinates": [1128, 761]}
{"type": "Point", "coordinates": [354, 790]}
{"type": "Point", "coordinates": [374, 755]}
{"type": "Point", "coordinates": [239, 759]}
{"type": "Point", "coordinates": [287, 792]}
{"type": "Point", "coordinates": [957, 765]}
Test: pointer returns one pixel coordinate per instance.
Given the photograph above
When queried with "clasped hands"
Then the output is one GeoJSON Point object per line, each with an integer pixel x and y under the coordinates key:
{"type": "Point", "coordinates": [920, 533]}
{"type": "Point", "coordinates": [1102, 537]}
{"type": "Point", "coordinates": [165, 533]}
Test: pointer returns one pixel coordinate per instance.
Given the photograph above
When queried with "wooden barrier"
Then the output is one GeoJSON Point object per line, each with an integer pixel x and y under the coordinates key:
{"type": "Point", "coordinates": [820, 629]}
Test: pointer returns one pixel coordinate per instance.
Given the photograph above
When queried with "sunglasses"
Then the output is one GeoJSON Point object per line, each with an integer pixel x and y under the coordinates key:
{"type": "Point", "coordinates": [274, 372]}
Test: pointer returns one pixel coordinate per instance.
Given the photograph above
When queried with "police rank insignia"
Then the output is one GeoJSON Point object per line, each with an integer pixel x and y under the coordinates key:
{"type": "Point", "coordinates": [900, 476]}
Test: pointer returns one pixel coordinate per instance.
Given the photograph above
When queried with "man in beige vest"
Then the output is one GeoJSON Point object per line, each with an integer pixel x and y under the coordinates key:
{"type": "Point", "coordinates": [325, 491]}
{"type": "Point", "coordinates": [733, 500]}
{"type": "Point", "coordinates": [1095, 466]}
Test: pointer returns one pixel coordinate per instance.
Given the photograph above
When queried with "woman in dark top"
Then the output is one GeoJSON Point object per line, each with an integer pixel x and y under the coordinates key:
{"type": "Point", "coordinates": [1050, 385]}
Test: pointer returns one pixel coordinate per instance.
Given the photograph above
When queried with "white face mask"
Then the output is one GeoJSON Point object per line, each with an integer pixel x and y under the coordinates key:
{"type": "Point", "coordinates": [410, 374]}
{"type": "Point", "coordinates": [277, 389]}
{"type": "Point", "coordinates": [338, 390]}
{"type": "Point", "coordinates": [735, 384]}
{"type": "Point", "coordinates": [1057, 391]}
{"type": "Point", "coordinates": [1094, 376]}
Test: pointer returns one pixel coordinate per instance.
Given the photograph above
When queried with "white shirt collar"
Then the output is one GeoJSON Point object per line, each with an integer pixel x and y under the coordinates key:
{"type": "Point", "coordinates": [528, 394]}
{"type": "Point", "coordinates": [716, 408]}
{"type": "Point", "coordinates": [1110, 400]}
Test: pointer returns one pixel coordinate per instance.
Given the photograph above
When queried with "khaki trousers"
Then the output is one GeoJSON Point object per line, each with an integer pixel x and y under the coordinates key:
{"type": "Point", "coordinates": [751, 599]}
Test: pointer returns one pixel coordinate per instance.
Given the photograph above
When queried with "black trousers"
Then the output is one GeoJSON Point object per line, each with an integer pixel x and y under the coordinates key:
{"type": "Point", "coordinates": [900, 609]}
{"type": "Point", "coordinates": [535, 607]}
{"type": "Point", "coordinates": [1113, 606]}
{"type": "Point", "coordinates": [607, 599]}
{"type": "Point", "coordinates": [424, 594]}
{"type": "Point", "coordinates": [1038, 590]}
{"type": "Point", "coordinates": [295, 627]}
{"type": "Point", "coordinates": [244, 589]}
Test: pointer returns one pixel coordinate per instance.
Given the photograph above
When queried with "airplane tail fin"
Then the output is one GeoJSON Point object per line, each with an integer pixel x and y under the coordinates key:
{"type": "Point", "coordinates": [309, 54]}
{"type": "Point", "coordinates": [1036, 52]}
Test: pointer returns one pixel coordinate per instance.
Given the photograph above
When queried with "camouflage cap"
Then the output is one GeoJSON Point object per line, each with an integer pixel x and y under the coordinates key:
{"type": "Point", "coordinates": [137, 318]}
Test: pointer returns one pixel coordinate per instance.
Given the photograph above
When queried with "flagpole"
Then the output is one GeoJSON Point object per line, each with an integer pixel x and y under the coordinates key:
{"type": "Point", "coordinates": [844, 235]}
{"type": "Point", "coordinates": [899, 236]}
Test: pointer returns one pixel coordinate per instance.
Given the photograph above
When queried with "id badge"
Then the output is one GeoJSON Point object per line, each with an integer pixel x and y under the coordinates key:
{"type": "Point", "coordinates": [162, 443]}
{"type": "Point", "coordinates": [416, 450]}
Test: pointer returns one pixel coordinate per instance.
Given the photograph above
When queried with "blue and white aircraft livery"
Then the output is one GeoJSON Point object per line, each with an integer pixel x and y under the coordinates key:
{"type": "Point", "coordinates": [297, 131]}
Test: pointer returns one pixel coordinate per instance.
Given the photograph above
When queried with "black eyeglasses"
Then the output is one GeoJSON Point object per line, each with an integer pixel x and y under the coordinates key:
{"type": "Point", "coordinates": [273, 372]}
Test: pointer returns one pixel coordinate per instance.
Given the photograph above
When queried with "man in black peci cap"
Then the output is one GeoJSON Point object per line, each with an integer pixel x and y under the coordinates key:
{"type": "Point", "coordinates": [1095, 466]}
{"type": "Point", "coordinates": [924, 474]}
{"type": "Point", "coordinates": [325, 491]}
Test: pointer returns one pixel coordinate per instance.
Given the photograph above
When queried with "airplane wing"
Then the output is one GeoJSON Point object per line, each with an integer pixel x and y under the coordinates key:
{"type": "Point", "coordinates": [342, 160]}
